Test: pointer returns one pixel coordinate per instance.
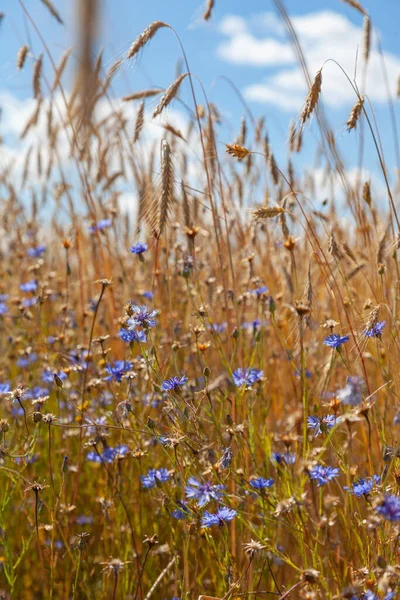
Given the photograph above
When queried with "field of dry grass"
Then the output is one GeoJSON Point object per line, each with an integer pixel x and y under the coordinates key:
{"type": "Point", "coordinates": [200, 399]}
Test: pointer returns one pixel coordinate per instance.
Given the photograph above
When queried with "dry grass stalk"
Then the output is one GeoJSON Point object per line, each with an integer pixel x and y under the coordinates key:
{"type": "Point", "coordinates": [267, 212]}
{"type": "Point", "coordinates": [174, 131]}
{"type": "Point", "coordinates": [380, 258]}
{"type": "Point", "coordinates": [312, 98]}
{"type": "Point", "coordinates": [355, 271]}
{"type": "Point", "coordinates": [367, 37]}
{"type": "Point", "coordinates": [308, 296]}
{"type": "Point", "coordinates": [169, 95]}
{"type": "Point", "coordinates": [139, 122]}
{"type": "Point", "coordinates": [145, 37]}
{"type": "Point", "coordinates": [373, 317]}
{"type": "Point", "coordinates": [334, 248]}
{"type": "Point", "coordinates": [208, 11]}
{"type": "Point", "coordinates": [243, 132]}
{"type": "Point", "coordinates": [273, 169]}
{"type": "Point", "coordinates": [52, 11]}
{"type": "Point", "coordinates": [141, 95]}
{"type": "Point", "coordinates": [33, 119]}
{"type": "Point", "coordinates": [398, 87]}
{"type": "Point", "coordinates": [37, 72]}
{"type": "Point", "coordinates": [166, 187]}
{"type": "Point", "coordinates": [356, 5]}
{"type": "Point", "coordinates": [60, 69]}
{"type": "Point", "coordinates": [355, 114]}
{"type": "Point", "coordinates": [237, 151]}
{"type": "Point", "coordinates": [349, 252]}
{"type": "Point", "coordinates": [21, 56]}
{"type": "Point", "coordinates": [367, 193]}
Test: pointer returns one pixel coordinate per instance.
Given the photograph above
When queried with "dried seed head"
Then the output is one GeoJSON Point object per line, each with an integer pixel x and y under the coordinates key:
{"type": "Point", "coordinates": [37, 72]}
{"type": "Point", "coordinates": [367, 37]}
{"type": "Point", "coordinates": [373, 318]}
{"type": "Point", "coordinates": [53, 11]}
{"type": "Point", "coordinates": [356, 5]}
{"type": "Point", "coordinates": [238, 151]}
{"type": "Point", "coordinates": [312, 98]}
{"type": "Point", "coordinates": [141, 95]}
{"type": "Point", "coordinates": [367, 193]}
{"type": "Point", "coordinates": [208, 11]}
{"type": "Point", "coordinates": [355, 114]}
{"type": "Point", "coordinates": [166, 186]}
{"type": "Point", "coordinates": [21, 56]}
{"type": "Point", "coordinates": [139, 122]}
{"type": "Point", "coordinates": [145, 37]}
{"type": "Point", "coordinates": [267, 212]}
{"type": "Point", "coordinates": [169, 95]}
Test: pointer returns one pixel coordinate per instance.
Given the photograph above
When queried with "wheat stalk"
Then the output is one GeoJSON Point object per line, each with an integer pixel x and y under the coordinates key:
{"type": "Point", "coordinates": [355, 114]}
{"type": "Point", "coordinates": [267, 212]}
{"type": "Point", "coordinates": [312, 97]}
{"type": "Point", "coordinates": [52, 11]}
{"type": "Point", "coordinates": [141, 95]}
{"type": "Point", "coordinates": [60, 69]}
{"type": "Point", "coordinates": [169, 95]}
{"type": "Point", "coordinates": [166, 186]}
{"type": "Point", "coordinates": [21, 56]}
{"type": "Point", "coordinates": [37, 72]}
{"type": "Point", "coordinates": [355, 5]}
{"type": "Point", "coordinates": [367, 37]}
{"type": "Point", "coordinates": [139, 122]}
{"type": "Point", "coordinates": [208, 11]}
{"type": "Point", "coordinates": [145, 37]}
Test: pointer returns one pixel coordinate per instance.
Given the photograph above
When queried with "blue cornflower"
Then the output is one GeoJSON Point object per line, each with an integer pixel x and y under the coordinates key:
{"type": "Point", "coordinates": [260, 291]}
{"type": "Point", "coordinates": [352, 392]}
{"type": "Point", "coordinates": [323, 474]}
{"type": "Point", "coordinates": [155, 477]}
{"type": "Point", "coordinates": [203, 492]}
{"type": "Point", "coordinates": [336, 340]}
{"type": "Point", "coordinates": [118, 370]}
{"type": "Point", "coordinates": [29, 286]}
{"type": "Point", "coordinates": [48, 376]}
{"type": "Point", "coordinates": [139, 248]}
{"type": "Point", "coordinates": [36, 251]}
{"type": "Point", "coordinates": [102, 224]}
{"type": "Point", "coordinates": [27, 360]}
{"type": "Point", "coordinates": [132, 335]}
{"type": "Point", "coordinates": [389, 508]}
{"type": "Point", "coordinates": [259, 483]}
{"type": "Point", "coordinates": [247, 376]}
{"type": "Point", "coordinates": [29, 302]}
{"type": "Point", "coordinates": [254, 325]}
{"type": "Point", "coordinates": [369, 595]}
{"type": "Point", "coordinates": [284, 459]}
{"type": "Point", "coordinates": [3, 308]}
{"type": "Point", "coordinates": [5, 388]}
{"type": "Point", "coordinates": [363, 487]}
{"type": "Point", "coordinates": [321, 424]}
{"type": "Point", "coordinates": [226, 458]}
{"type": "Point", "coordinates": [182, 512]}
{"type": "Point", "coordinates": [147, 295]}
{"type": "Point", "coordinates": [37, 392]}
{"type": "Point", "coordinates": [375, 331]}
{"type": "Point", "coordinates": [108, 455]}
{"type": "Point", "coordinates": [3, 297]}
{"type": "Point", "coordinates": [142, 317]}
{"type": "Point", "coordinates": [174, 383]}
{"type": "Point", "coordinates": [222, 516]}
{"type": "Point", "coordinates": [217, 327]}
{"type": "Point", "coordinates": [298, 373]}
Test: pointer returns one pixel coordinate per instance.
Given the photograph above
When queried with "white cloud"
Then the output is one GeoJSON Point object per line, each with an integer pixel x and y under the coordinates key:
{"type": "Point", "coordinates": [323, 35]}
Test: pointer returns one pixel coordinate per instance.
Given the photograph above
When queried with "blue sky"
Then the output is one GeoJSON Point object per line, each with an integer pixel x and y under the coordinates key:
{"type": "Point", "coordinates": [244, 41]}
